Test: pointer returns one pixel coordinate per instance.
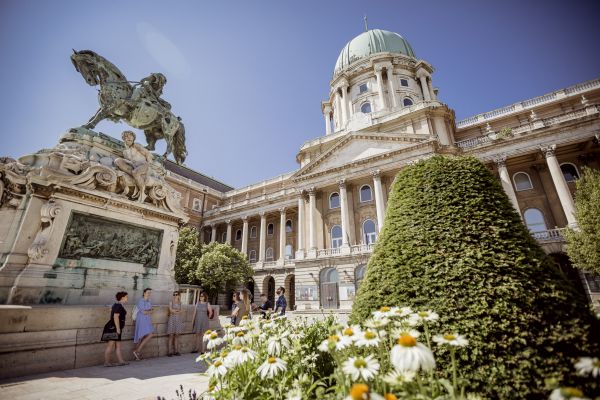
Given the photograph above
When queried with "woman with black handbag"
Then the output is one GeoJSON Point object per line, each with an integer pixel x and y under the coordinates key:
{"type": "Point", "coordinates": [113, 330]}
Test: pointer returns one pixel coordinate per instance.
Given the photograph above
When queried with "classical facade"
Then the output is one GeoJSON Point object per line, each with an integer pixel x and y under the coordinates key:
{"type": "Point", "coordinates": [312, 230]}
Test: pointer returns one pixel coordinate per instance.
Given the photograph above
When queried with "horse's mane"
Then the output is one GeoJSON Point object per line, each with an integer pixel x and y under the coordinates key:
{"type": "Point", "coordinates": [107, 63]}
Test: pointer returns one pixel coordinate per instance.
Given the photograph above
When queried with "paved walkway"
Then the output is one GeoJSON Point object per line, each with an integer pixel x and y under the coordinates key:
{"type": "Point", "coordinates": [146, 379]}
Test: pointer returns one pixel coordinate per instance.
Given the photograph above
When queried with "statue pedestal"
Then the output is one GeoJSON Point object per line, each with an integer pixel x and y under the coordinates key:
{"type": "Point", "coordinates": [72, 231]}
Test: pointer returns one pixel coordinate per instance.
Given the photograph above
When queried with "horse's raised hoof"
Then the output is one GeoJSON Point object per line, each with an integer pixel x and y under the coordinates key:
{"type": "Point", "coordinates": [150, 147]}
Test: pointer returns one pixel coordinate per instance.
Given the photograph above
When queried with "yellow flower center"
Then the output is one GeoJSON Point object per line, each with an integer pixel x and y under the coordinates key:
{"type": "Point", "coordinates": [423, 314]}
{"type": "Point", "coordinates": [245, 317]}
{"type": "Point", "coordinates": [224, 354]}
{"type": "Point", "coordinates": [348, 332]}
{"type": "Point", "coordinates": [370, 335]}
{"type": "Point", "coordinates": [272, 360]}
{"type": "Point", "coordinates": [237, 347]}
{"type": "Point", "coordinates": [407, 341]}
{"type": "Point", "coordinates": [360, 363]}
{"type": "Point", "coordinates": [208, 332]}
{"type": "Point", "coordinates": [571, 392]}
{"type": "Point", "coordinates": [358, 391]}
{"type": "Point", "coordinates": [214, 335]}
{"type": "Point", "coordinates": [334, 338]}
{"type": "Point", "coordinates": [450, 337]}
{"type": "Point", "coordinates": [240, 334]}
{"type": "Point", "coordinates": [390, 396]}
{"type": "Point", "coordinates": [245, 350]}
{"type": "Point", "coordinates": [384, 309]}
{"type": "Point", "coordinates": [218, 363]}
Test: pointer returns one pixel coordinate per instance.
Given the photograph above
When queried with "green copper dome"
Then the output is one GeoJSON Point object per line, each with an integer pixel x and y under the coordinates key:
{"type": "Point", "coordinates": [371, 42]}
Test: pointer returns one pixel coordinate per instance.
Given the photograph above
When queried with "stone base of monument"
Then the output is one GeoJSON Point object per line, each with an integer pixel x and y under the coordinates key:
{"type": "Point", "coordinates": [76, 227]}
{"type": "Point", "coordinates": [43, 339]}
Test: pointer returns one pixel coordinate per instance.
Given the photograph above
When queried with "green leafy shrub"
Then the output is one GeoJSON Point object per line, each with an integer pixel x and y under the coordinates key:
{"type": "Point", "coordinates": [452, 242]}
{"type": "Point", "coordinates": [189, 251]}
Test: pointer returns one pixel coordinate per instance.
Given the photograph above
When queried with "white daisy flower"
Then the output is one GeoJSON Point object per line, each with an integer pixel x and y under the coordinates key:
{"type": "Point", "coordinates": [271, 367]}
{"type": "Point", "coordinates": [276, 344]}
{"type": "Point", "coordinates": [452, 339]}
{"type": "Point", "coordinates": [408, 355]}
{"type": "Point", "coordinates": [567, 393]}
{"type": "Point", "coordinates": [213, 340]}
{"type": "Point", "coordinates": [352, 332]}
{"type": "Point", "coordinates": [425, 316]}
{"type": "Point", "coordinates": [359, 367]}
{"type": "Point", "coordinates": [401, 312]}
{"type": "Point", "coordinates": [368, 338]}
{"type": "Point", "coordinates": [294, 394]}
{"type": "Point", "coordinates": [397, 378]}
{"type": "Point", "coordinates": [399, 331]}
{"type": "Point", "coordinates": [588, 366]}
{"type": "Point", "coordinates": [217, 368]}
{"type": "Point", "coordinates": [377, 323]}
{"type": "Point", "coordinates": [241, 355]}
{"type": "Point", "coordinates": [240, 338]}
{"type": "Point", "coordinates": [383, 312]}
{"type": "Point", "coordinates": [334, 342]}
{"type": "Point", "coordinates": [207, 335]}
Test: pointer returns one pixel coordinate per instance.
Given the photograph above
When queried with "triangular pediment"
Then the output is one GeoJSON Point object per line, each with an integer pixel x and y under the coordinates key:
{"type": "Point", "coordinates": [358, 147]}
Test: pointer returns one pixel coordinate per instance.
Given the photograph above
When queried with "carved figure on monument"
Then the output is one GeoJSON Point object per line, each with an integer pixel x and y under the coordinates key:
{"type": "Point", "coordinates": [140, 106]}
{"type": "Point", "coordinates": [136, 162]}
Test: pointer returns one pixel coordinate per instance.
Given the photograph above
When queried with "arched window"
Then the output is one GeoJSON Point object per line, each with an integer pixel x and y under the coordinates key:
{"type": "Point", "coordinates": [336, 236]}
{"type": "Point", "coordinates": [369, 231]}
{"type": "Point", "coordinates": [569, 172]}
{"type": "Point", "coordinates": [252, 257]}
{"type": "Point", "coordinates": [329, 275]}
{"type": "Point", "coordinates": [365, 108]}
{"type": "Point", "coordinates": [223, 237]}
{"type": "Point", "coordinates": [238, 234]}
{"type": "Point", "coordinates": [289, 252]}
{"type": "Point", "coordinates": [407, 102]}
{"type": "Point", "coordinates": [534, 219]}
{"type": "Point", "coordinates": [253, 232]}
{"type": "Point", "coordinates": [334, 200]}
{"type": "Point", "coordinates": [288, 226]}
{"type": "Point", "coordinates": [365, 193]}
{"type": "Point", "coordinates": [270, 229]}
{"type": "Point", "coordinates": [522, 181]}
{"type": "Point", "coordinates": [359, 274]}
{"type": "Point", "coordinates": [269, 254]}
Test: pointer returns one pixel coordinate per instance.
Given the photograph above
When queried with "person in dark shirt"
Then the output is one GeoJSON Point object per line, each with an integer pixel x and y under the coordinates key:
{"type": "Point", "coordinates": [265, 306]}
{"type": "Point", "coordinates": [281, 303]}
{"type": "Point", "coordinates": [117, 317]}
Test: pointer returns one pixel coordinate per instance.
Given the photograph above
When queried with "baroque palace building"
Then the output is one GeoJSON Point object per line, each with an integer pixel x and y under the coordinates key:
{"type": "Point", "coordinates": [312, 230]}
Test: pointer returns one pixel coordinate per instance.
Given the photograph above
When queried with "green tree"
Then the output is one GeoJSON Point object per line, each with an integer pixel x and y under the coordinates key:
{"type": "Point", "coordinates": [453, 243]}
{"type": "Point", "coordinates": [222, 268]}
{"type": "Point", "coordinates": [583, 244]}
{"type": "Point", "coordinates": [189, 251]}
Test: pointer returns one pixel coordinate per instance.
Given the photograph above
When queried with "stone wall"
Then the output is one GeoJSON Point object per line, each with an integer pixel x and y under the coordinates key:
{"type": "Point", "coordinates": [42, 339]}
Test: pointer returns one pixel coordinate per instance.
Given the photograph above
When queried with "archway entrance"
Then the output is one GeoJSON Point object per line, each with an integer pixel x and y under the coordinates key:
{"type": "Point", "coordinates": [329, 279]}
{"type": "Point", "coordinates": [250, 286]}
{"type": "Point", "coordinates": [269, 289]}
{"type": "Point", "coordinates": [290, 291]}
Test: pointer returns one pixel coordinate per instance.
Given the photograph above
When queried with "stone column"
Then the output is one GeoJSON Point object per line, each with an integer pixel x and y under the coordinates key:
{"type": "Point", "coordinates": [380, 87]}
{"type": "Point", "coordinates": [344, 213]}
{"type": "Point", "coordinates": [337, 111]}
{"type": "Point", "coordinates": [213, 234]}
{"type": "Point", "coordinates": [507, 183]}
{"type": "Point", "coordinates": [344, 104]}
{"type": "Point", "coordinates": [327, 116]}
{"type": "Point", "coordinates": [300, 226]}
{"type": "Point", "coordinates": [202, 234]}
{"type": "Point", "coordinates": [312, 215]}
{"type": "Point", "coordinates": [282, 235]}
{"type": "Point", "coordinates": [430, 86]}
{"type": "Point", "coordinates": [564, 195]}
{"type": "Point", "coordinates": [425, 88]}
{"type": "Point", "coordinates": [392, 86]}
{"type": "Point", "coordinates": [348, 104]}
{"type": "Point", "coordinates": [379, 201]}
{"type": "Point", "coordinates": [263, 237]}
{"type": "Point", "coordinates": [245, 235]}
{"type": "Point", "coordinates": [228, 239]}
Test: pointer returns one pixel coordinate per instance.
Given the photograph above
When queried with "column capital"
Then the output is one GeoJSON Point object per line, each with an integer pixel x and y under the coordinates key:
{"type": "Point", "coordinates": [500, 161]}
{"type": "Point", "coordinates": [228, 221]}
{"type": "Point", "coordinates": [342, 183]}
{"type": "Point", "coordinates": [262, 214]}
{"type": "Point", "coordinates": [376, 174]}
{"type": "Point", "coordinates": [213, 225]}
{"type": "Point", "coordinates": [378, 69]}
{"type": "Point", "coordinates": [244, 218]}
{"type": "Point", "coordinates": [312, 191]}
{"type": "Point", "coordinates": [548, 150]}
{"type": "Point", "coordinates": [282, 210]}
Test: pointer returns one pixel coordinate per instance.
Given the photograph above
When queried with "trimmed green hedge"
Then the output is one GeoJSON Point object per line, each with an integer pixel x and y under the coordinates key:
{"type": "Point", "coordinates": [453, 243]}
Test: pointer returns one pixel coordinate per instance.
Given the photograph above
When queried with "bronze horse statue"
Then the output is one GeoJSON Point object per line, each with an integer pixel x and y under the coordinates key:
{"type": "Point", "coordinates": [139, 105]}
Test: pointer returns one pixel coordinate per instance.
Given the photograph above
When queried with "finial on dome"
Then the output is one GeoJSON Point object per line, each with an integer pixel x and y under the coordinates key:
{"type": "Point", "coordinates": [366, 25]}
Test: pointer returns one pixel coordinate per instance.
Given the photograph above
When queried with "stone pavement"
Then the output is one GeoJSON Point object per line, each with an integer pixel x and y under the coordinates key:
{"type": "Point", "coordinates": [139, 380]}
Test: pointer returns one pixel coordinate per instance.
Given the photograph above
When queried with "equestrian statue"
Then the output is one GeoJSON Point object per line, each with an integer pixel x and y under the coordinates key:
{"type": "Point", "coordinates": [139, 105]}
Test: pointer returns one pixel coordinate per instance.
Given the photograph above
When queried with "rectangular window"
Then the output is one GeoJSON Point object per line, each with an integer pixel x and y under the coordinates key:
{"type": "Point", "coordinates": [404, 82]}
{"type": "Point", "coordinates": [363, 88]}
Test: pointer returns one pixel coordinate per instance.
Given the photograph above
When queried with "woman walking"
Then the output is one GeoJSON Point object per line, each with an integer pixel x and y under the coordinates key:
{"type": "Point", "coordinates": [117, 316]}
{"type": "Point", "coordinates": [175, 325]}
{"type": "Point", "coordinates": [204, 312]}
{"type": "Point", "coordinates": [144, 330]}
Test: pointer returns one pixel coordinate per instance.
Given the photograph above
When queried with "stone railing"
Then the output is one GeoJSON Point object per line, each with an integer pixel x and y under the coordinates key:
{"type": "Point", "coordinates": [519, 130]}
{"type": "Point", "coordinates": [525, 104]}
{"type": "Point", "coordinates": [550, 235]}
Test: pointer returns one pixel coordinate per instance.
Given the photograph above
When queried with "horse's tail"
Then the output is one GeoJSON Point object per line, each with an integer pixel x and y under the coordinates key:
{"type": "Point", "coordinates": [179, 150]}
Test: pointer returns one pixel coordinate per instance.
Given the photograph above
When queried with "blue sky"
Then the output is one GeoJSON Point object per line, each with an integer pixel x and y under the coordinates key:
{"type": "Point", "coordinates": [247, 77]}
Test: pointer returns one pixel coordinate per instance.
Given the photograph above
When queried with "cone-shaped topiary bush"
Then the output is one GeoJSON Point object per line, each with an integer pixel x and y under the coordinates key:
{"type": "Point", "coordinates": [452, 243]}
